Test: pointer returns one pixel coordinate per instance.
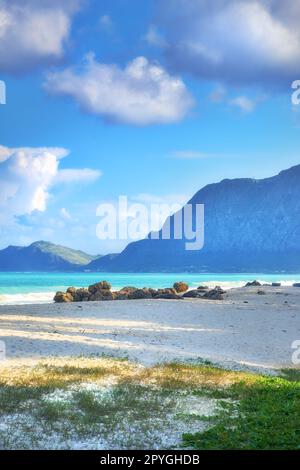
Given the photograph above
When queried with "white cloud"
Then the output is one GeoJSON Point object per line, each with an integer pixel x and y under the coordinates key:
{"type": "Point", "coordinates": [26, 177]}
{"type": "Point", "coordinates": [65, 214]}
{"type": "Point", "coordinates": [240, 41]}
{"type": "Point", "coordinates": [244, 103]}
{"type": "Point", "coordinates": [33, 31]}
{"type": "Point", "coordinates": [142, 93]}
{"type": "Point", "coordinates": [72, 175]}
{"type": "Point", "coordinates": [154, 38]}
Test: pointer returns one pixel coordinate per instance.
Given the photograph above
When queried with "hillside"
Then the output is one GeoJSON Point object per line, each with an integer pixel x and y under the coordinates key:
{"type": "Point", "coordinates": [42, 256]}
{"type": "Point", "coordinates": [250, 226]}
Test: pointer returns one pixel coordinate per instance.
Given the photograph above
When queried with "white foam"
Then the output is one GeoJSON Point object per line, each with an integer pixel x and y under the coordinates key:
{"type": "Point", "coordinates": [238, 283]}
{"type": "Point", "coordinates": [28, 298]}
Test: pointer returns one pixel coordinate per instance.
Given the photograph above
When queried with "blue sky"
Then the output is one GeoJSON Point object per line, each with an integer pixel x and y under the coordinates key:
{"type": "Point", "coordinates": [152, 100]}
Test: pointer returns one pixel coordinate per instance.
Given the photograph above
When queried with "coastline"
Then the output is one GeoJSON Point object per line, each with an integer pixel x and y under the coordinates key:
{"type": "Point", "coordinates": [245, 330]}
{"type": "Point", "coordinates": [40, 288]}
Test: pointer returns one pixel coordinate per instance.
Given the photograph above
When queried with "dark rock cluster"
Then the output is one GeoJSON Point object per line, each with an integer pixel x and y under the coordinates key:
{"type": "Point", "coordinates": [101, 291]}
{"type": "Point", "coordinates": [253, 284]}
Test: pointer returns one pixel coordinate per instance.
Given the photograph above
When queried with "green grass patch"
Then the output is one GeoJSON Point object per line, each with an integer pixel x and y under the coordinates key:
{"type": "Point", "coordinates": [265, 414]}
{"type": "Point", "coordinates": [74, 398]}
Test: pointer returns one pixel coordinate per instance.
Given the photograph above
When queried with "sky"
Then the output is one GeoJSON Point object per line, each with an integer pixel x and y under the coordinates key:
{"type": "Point", "coordinates": [151, 100]}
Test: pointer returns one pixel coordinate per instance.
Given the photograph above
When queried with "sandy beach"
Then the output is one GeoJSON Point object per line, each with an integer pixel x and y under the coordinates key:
{"type": "Point", "coordinates": [246, 330]}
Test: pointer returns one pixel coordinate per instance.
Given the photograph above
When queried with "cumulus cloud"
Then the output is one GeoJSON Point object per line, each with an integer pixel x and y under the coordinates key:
{"type": "Point", "coordinates": [26, 177]}
{"type": "Point", "coordinates": [142, 93]}
{"type": "Point", "coordinates": [244, 103]}
{"type": "Point", "coordinates": [154, 38]}
{"type": "Point", "coordinates": [238, 41]}
{"type": "Point", "coordinates": [74, 175]}
{"type": "Point", "coordinates": [33, 32]}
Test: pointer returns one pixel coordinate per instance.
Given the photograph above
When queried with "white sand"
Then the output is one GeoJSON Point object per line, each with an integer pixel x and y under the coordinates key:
{"type": "Point", "coordinates": [258, 334]}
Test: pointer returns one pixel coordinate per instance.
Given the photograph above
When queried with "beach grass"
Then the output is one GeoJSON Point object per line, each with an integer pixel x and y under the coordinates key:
{"type": "Point", "coordinates": [96, 402]}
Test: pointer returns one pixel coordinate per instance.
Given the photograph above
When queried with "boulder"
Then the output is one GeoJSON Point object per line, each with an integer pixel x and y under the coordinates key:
{"type": "Point", "coordinates": [180, 287]}
{"type": "Point", "coordinates": [71, 290]}
{"type": "Point", "coordinates": [276, 284]}
{"type": "Point", "coordinates": [128, 289]}
{"type": "Point", "coordinates": [261, 292]}
{"type": "Point", "coordinates": [164, 293]}
{"type": "Point", "coordinates": [168, 290]}
{"type": "Point", "coordinates": [81, 295]}
{"type": "Point", "coordinates": [214, 294]}
{"type": "Point", "coordinates": [253, 284]}
{"type": "Point", "coordinates": [193, 294]}
{"type": "Point", "coordinates": [153, 292]}
{"type": "Point", "coordinates": [168, 296]}
{"type": "Point", "coordinates": [103, 285]}
{"type": "Point", "coordinates": [120, 296]}
{"type": "Point", "coordinates": [61, 297]}
{"type": "Point", "coordinates": [101, 295]}
{"type": "Point", "coordinates": [297, 284]}
{"type": "Point", "coordinates": [219, 289]}
{"type": "Point", "coordinates": [140, 294]}
{"type": "Point", "coordinates": [203, 288]}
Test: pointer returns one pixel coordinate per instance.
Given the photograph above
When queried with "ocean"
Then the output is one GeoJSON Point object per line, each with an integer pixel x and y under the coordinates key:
{"type": "Point", "coordinates": [22, 288]}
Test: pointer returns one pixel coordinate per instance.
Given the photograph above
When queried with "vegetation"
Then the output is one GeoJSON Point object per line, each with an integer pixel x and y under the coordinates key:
{"type": "Point", "coordinates": [68, 254]}
{"type": "Point", "coordinates": [100, 401]}
{"type": "Point", "coordinates": [264, 414]}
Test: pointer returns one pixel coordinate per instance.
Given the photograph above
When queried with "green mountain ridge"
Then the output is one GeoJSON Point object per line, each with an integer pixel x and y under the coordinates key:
{"type": "Point", "coordinates": [43, 256]}
{"type": "Point", "coordinates": [68, 254]}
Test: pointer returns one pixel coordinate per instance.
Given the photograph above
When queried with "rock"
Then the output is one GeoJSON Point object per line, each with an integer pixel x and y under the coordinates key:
{"type": "Point", "coordinates": [214, 294]}
{"type": "Point", "coordinates": [152, 291]}
{"type": "Point", "coordinates": [169, 296]}
{"type": "Point", "coordinates": [119, 296]}
{"type": "Point", "coordinates": [218, 288]}
{"type": "Point", "coordinates": [203, 288]}
{"type": "Point", "coordinates": [128, 289]}
{"type": "Point", "coordinates": [276, 284]}
{"type": "Point", "coordinates": [164, 293]}
{"type": "Point", "coordinates": [123, 293]}
{"type": "Point", "coordinates": [193, 294]}
{"type": "Point", "coordinates": [130, 292]}
{"type": "Point", "coordinates": [71, 290]}
{"type": "Point", "coordinates": [103, 285]}
{"type": "Point", "coordinates": [61, 297]}
{"type": "Point", "coordinates": [168, 290]}
{"type": "Point", "coordinates": [261, 292]}
{"type": "Point", "coordinates": [82, 295]}
{"type": "Point", "coordinates": [101, 295]}
{"type": "Point", "coordinates": [140, 294]}
{"type": "Point", "coordinates": [180, 287]}
{"type": "Point", "coordinates": [297, 284]}
{"type": "Point", "coordinates": [253, 284]}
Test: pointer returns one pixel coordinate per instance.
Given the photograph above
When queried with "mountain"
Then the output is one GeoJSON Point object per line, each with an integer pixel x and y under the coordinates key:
{"type": "Point", "coordinates": [42, 256]}
{"type": "Point", "coordinates": [250, 226]}
{"type": "Point", "coordinates": [106, 260]}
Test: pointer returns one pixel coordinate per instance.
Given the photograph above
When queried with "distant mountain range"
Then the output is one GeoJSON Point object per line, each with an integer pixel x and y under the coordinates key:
{"type": "Point", "coordinates": [250, 226]}
{"type": "Point", "coordinates": [42, 256]}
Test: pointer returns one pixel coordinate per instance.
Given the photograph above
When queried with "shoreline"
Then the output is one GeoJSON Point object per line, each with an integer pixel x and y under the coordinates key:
{"type": "Point", "coordinates": [46, 297]}
{"type": "Point", "coordinates": [245, 329]}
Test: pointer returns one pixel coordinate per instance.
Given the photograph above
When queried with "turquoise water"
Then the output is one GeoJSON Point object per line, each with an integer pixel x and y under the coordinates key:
{"type": "Point", "coordinates": [39, 287]}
